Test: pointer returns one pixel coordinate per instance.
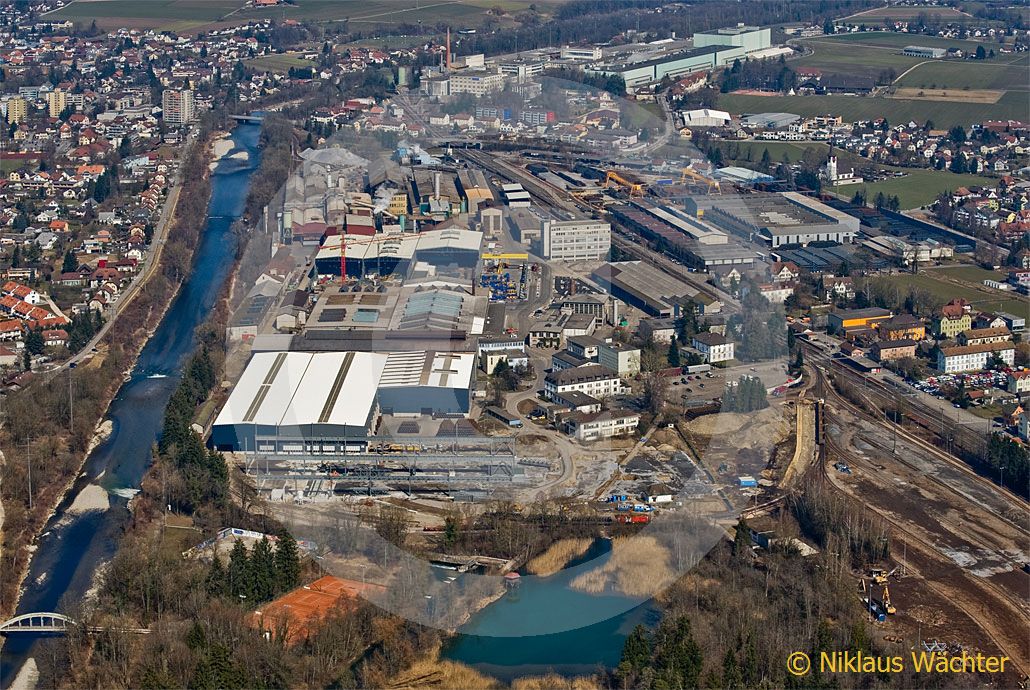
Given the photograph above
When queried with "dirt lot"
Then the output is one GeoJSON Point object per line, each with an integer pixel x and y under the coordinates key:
{"type": "Point", "coordinates": [962, 558]}
{"type": "Point", "coordinates": [953, 95]}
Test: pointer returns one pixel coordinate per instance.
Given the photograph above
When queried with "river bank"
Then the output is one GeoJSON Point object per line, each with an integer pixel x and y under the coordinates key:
{"type": "Point", "coordinates": [103, 427]}
{"type": "Point", "coordinates": [73, 548]}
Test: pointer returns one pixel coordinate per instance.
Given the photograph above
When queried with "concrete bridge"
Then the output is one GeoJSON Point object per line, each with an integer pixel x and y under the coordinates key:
{"type": "Point", "coordinates": [248, 118]}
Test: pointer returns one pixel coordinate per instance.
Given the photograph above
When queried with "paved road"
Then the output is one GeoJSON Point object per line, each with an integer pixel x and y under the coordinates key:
{"type": "Point", "coordinates": [150, 263]}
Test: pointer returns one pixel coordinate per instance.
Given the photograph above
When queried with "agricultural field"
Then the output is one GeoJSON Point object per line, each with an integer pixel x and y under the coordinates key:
{"type": "Point", "coordinates": [944, 114]}
{"type": "Point", "coordinates": [460, 12]}
{"type": "Point", "coordinates": [832, 55]}
{"type": "Point", "coordinates": [918, 187]}
{"type": "Point", "coordinates": [1004, 73]}
{"type": "Point", "coordinates": [982, 298]}
{"type": "Point", "coordinates": [170, 15]}
{"type": "Point", "coordinates": [198, 15]}
{"type": "Point", "coordinates": [903, 13]}
{"type": "Point", "coordinates": [279, 63]}
{"type": "Point", "coordinates": [891, 39]}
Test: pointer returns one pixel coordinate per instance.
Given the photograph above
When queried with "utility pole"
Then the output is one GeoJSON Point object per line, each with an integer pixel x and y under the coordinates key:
{"type": "Point", "coordinates": [28, 463]}
{"type": "Point", "coordinates": [71, 402]}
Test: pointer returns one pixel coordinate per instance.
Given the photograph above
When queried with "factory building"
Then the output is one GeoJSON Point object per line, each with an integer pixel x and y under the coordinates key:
{"type": "Point", "coordinates": [750, 38]}
{"type": "Point", "coordinates": [427, 383]}
{"type": "Point", "coordinates": [577, 53]}
{"type": "Point", "coordinates": [778, 219]}
{"type": "Point", "coordinates": [575, 240]}
{"type": "Point", "coordinates": [477, 83]}
{"type": "Point", "coordinates": [672, 65]}
{"type": "Point", "coordinates": [330, 402]}
{"type": "Point", "coordinates": [386, 254]}
{"type": "Point", "coordinates": [296, 402]}
{"type": "Point", "coordinates": [652, 291]}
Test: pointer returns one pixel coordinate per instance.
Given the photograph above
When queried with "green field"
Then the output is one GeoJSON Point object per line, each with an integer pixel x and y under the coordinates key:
{"type": "Point", "coordinates": [161, 14]}
{"type": "Point", "coordinates": [969, 273]}
{"type": "Point", "coordinates": [460, 12]}
{"type": "Point", "coordinates": [981, 297]}
{"type": "Point", "coordinates": [906, 12]}
{"type": "Point", "coordinates": [279, 63]}
{"type": "Point", "coordinates": [1012, 105]}
{"type": "Point", "coordinates": [1007, 72]}
{"type": "Point", "coordinates": [891, 39]}
{"type": "Point", "coordinates": [832, 55]}
{"type": "Point", "coordinates": [184, 15]}
{"type": "Point", "coordinates": [918, 187]}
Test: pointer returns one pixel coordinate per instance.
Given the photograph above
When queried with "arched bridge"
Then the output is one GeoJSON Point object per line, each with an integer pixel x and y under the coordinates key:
{"type": "Point", "coordinates": [37, 623]}
{"type": "Point", "coordinates": [48, 623]}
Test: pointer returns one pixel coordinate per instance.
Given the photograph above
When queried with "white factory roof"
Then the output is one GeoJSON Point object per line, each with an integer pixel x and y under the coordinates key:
{"type": "Point", "coordinates": [402, 245]}
{"type": "Point", "coordinates": [296, 388]}
{"type": "Point", "coordinates": [434, 369]}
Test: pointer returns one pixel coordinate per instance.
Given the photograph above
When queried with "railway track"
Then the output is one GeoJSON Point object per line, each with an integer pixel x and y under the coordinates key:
{"type": "Point", "coordinates": [989, 596]}
{"type": "Point", "coordinates": [879, 389]}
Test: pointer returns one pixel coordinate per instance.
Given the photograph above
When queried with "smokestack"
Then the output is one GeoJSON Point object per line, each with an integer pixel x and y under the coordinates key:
{"type": "Point", "coordinates": [436, 186]}
{"type": "Point", "coordinates": [448, 47]}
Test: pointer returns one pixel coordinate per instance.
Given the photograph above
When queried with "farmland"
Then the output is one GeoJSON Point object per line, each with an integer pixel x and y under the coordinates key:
{"type": "Point", "coordinates": [890, 39]}
{"type": "Point", "coordinates": [171, 15]}
{"type": "Point", "coordinates": [918, 187]}
{"type": "Point", "coordinates": [903, 13]}
{"type": "Point", "coordinates": [195, 15]}
{"type": "Point", "coordinates": [1006, 73]}
{"type": "Point", "coordinates": [833, 55]}
{"type": "Point", "coordinates": [280, 62]}
{"type": "Point", "coordinates": [944, 114]}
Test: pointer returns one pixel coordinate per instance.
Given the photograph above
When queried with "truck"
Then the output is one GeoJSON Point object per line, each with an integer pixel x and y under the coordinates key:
{"type": "Point", "coordinates": [696, 368]}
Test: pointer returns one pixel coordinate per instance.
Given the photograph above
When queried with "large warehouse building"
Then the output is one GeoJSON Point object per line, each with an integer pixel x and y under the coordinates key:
{"type": "Point", "coordinates": [673, 65]}
{"type": "Point", "coordinates": [778, 219]}
{"type": "Point", "coordinates": [289, 402]}
{"type": "Point", "coordinates": [750, 38]}
{"type": "Point", "coordinates": [385, 254]}
{"type": "Point", "coordinates": [330, 402]}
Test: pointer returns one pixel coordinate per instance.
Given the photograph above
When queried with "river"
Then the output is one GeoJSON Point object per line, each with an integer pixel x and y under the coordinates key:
{"type": "Point", "coordinates": [545, 626]}
{"type": "Point", "coordinates": [77, 543]}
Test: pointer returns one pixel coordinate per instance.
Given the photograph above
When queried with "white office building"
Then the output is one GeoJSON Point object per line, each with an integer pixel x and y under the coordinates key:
{"type": "Point", "coordinates": [973, 357]}
{"type": "Point", "coordinates": [576, 240]}
{"type": "Point", "coordinates": [714, 347]}
{"type": "Point", "coordinates": [621, 358]}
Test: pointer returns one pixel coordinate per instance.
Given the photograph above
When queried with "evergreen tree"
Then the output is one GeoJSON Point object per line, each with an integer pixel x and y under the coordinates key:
{"type": "Point", "coordinates": [287, 563]}
{"type": "Point", "coordinates": [262, 570]}
{"type": "Point", "coordinates": [70, 263]}
{"type": "Point", "coordinates": [240, 581]}
{"type": "Point", "coordinates": [674, 352]}
{"type": "Point", "coordinates": [217, 581]}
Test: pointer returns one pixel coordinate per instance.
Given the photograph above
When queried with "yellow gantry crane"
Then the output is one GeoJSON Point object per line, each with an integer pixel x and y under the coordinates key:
{"type": "Point", "coordinates": [696, 177]}
{"type": "Point", "coordinates": [634, 188]}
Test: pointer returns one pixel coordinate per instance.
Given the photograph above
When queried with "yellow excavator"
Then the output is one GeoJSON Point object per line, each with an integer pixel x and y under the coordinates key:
{"type": "Point", "coordinates": [885, 598]}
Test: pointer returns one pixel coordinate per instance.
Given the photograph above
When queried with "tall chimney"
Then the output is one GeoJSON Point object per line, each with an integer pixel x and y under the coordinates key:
{"type": "Point", "coordinates": [448, 48]}
{"type": "Point", "coordinates": [436, 186]}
